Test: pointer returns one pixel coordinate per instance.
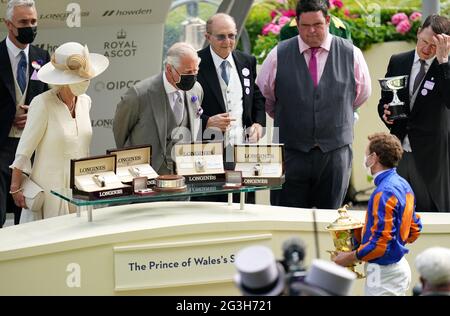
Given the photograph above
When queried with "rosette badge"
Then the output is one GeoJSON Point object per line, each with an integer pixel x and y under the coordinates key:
{"type": "Point", "coordinates": [37, 64]}
{"type": "Point", "coordinates": [199, 110]}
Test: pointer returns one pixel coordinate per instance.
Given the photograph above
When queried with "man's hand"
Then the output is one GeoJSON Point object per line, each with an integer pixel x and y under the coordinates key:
{"type": "Point", "coordinates": [255, 133]}
{"type": "Point", "coordinates": [442, 42]}
{"type": "Point", "coordinates": [20, 120]}
{"type": "Point", "coordinates": [221, 121]}
{"type": "Point", "coordinates": [386, 114]}
{"type": "Point", "coordinates": [345, 259]}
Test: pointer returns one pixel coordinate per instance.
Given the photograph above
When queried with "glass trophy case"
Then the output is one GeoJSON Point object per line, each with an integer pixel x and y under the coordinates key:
{"type": "Point", "coordinates": [191, 190]}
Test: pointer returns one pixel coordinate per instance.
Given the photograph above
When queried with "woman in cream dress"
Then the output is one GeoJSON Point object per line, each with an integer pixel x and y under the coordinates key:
{"type": "Point", "coordinates": [58, 127]}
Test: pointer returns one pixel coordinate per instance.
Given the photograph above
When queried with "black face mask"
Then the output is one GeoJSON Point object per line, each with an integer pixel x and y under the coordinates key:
{"type": "Point", "coordinates": [26, 34]}
{"type": "Point", "coordinates": [186, 81]}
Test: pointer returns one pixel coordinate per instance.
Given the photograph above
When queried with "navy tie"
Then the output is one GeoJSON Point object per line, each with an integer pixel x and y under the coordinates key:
{"type": "Point", "coordinates": [224, 73]}
{"type": "Point", "coordinates": [22, 72]}
{"type": "Point", "coordinates": [420, 75]}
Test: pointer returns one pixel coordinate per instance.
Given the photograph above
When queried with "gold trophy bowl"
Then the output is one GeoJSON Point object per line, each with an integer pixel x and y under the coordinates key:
{"type": "Point", "coordinates": [343, 231]}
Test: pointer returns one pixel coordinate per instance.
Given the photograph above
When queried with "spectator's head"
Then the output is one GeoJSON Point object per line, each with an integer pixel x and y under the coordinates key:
{"type": "Point", "coordinates": [313, 21]}
{"type": "Point", "coordinates": [384, 151]}
{"type": "Point", "coordinates": [221, 34]}
{"type": "Point", "coordinates": [325, 278]}
{"type": "Point", "coordinates": [182, 66]}
{"type": "Point", "coordinates": [433, 265]}
{"type": "Point", "coordinates": [21, 21]}
{"type": "Point", "coordinates": [433, 25]}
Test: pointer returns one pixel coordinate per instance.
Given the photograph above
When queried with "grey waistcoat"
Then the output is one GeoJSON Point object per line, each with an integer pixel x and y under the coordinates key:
{"type": "Point", "coordinates": [167, 166]}
{"type": "Point", "coordinates": [308, 116]}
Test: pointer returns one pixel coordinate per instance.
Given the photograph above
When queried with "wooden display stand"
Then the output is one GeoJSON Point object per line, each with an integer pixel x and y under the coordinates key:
{"type": "Point", "coordinates": [95, 178]}
{"type": "Point", "coordinates": [134, 162]}
{"type": "Point", "coordinates": [260, 164]}
{"type": "Point", "coordinates": [200, 162]}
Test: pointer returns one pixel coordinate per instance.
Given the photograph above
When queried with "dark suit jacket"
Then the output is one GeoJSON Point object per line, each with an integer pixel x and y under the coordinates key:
{"type": "Point", "coordinates": [427, 125]}
{"type": "Point", "coordinates": [253, 103]}
{"type": "Point", "coordinates": [7, 91]}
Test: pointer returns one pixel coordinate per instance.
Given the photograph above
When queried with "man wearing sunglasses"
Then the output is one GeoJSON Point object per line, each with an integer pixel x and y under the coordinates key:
{"type": "Point", "coordinates": [233, 105]}
{"type": "Point", "coordinates": [232, 101]}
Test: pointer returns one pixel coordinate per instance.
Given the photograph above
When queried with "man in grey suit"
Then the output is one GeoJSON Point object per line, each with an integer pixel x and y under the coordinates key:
{"type": "Point", "coordinates": [164, 109]}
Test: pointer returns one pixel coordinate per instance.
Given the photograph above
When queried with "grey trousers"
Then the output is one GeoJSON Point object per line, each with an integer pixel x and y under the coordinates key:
{"type": "Point", "coordinates": [315, 179]}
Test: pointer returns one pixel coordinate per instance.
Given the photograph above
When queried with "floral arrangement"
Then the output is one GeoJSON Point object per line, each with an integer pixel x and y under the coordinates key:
{"type": "Point", "coordinates": [392, 25]}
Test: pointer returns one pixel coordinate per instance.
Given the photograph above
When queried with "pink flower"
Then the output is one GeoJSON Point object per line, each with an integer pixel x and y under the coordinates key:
{"type": "Point", "coordinates": [347, 12]}
{"type": "Point", "coordinates": [271, 28]}
{"type": "Point", "coordinates": [289, 13]}
{"type": "Point", "coordinates": [336, 4]}
{"type": "Point", "coordinates": [273, 14]}
{"type": "Point", "coordinates": [399, 17]}
{"type": "Point", "coordinates": [403, 27]}
{"type": "Point", "coordinates": [284, 20]}
{"type": "Point", "coordinates": [266, 29]}
{"type": "Point", "coordinates": [415, 16]}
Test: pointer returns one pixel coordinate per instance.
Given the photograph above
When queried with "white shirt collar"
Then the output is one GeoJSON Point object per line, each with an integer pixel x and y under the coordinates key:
{"type": "Point", "coordinates": [14, 49]}
{"type": "Point", "coordinates": [427, 61]}
{"type": "Point", "coordinates": [378, 173]}
{"type": "Point", "coordinates": [218, 60]}
{"type": "Point", "coordinates": [168, 86]}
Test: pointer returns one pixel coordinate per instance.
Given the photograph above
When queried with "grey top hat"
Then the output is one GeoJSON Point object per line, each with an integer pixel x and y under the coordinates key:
{"type": "Point", "coordinates": [258, 272]}
{"type": "Point", "coordinates": [325, 278]}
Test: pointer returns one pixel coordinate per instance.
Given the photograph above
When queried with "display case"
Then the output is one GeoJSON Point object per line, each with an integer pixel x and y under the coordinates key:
{"type": "Point", "coordinates": [260, 164]}
{"type": "Point", "coordinates": [200, 162]}
{"type": "Point", "coordinates": [95, 178]}
{"type": "Point", "coordinates": [134, 162]}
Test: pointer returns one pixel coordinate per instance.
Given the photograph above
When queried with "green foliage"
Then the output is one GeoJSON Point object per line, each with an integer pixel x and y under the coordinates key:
{"type": "Point", "coordinates": [445, 8]}
{"type": "Point", "coordinates": [263, 46]}
{"type": "Point", "coordinates": [364, 35]}
{"type": "Point", "coordinates": [357, 4]}
{"type": "Point", "coordinates": [258, 17]}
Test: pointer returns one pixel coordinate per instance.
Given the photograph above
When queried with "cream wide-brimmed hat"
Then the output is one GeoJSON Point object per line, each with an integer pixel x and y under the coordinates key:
{"type": "Point", "coordinates": [72, 63]}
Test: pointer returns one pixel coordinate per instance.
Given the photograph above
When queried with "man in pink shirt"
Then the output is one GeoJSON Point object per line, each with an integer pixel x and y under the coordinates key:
{"type": "Point", "coordinates": [311, 95]}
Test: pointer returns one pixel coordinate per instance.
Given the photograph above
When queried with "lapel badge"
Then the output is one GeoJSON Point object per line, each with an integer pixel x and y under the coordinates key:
{"type": "Point", "coordinates": [424, 92]}
{"type": "Point", "coordinates": [245, 72]}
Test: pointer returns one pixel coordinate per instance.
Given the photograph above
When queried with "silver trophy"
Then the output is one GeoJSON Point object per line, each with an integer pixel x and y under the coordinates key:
{"type": "Point", "coordinates": [395, 106]}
